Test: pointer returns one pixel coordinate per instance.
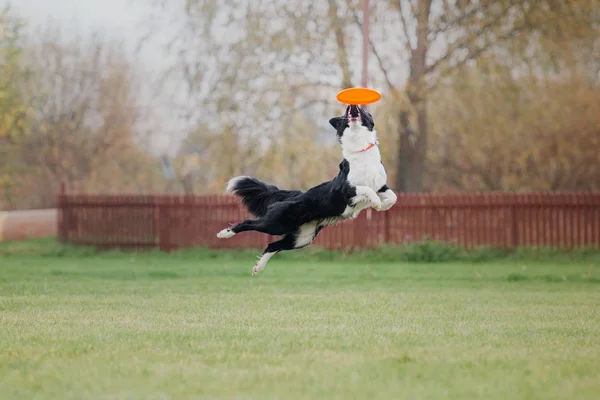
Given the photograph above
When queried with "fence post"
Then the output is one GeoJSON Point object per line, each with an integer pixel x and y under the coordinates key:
{"type": "Point", "coordinates": [156, 207]}
{"type": "Point", "coordinates": [164, 229]}
{"type": "Point", "coordinates": [386, 227]}
{"type": "Point", "coordinates": [61, 203]}
{"type": "Point", "coordinates": [515, 222]}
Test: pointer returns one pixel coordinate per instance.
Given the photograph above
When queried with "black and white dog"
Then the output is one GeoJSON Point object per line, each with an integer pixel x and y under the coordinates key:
{"type": "Point", "coordinates": [299, 216]}
{"type": "Point", "coordinates": [358, 137]}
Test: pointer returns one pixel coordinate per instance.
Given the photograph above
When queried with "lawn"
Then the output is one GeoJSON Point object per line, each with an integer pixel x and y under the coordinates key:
{"type": "Point", "coordinates": [196, 325]}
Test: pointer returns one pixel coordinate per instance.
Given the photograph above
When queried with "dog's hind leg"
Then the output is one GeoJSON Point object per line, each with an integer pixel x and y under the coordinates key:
{"type": "Point", "coordinates": [247, 225]}
{"type": "Point", "coordinates": [287, 243]}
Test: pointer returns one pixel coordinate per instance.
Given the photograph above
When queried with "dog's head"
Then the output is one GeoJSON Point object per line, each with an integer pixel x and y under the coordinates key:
{"type": "Point", "coordinates": [356, 125]}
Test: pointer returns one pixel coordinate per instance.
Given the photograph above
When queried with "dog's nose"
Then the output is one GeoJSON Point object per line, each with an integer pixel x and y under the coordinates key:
{"type": "Point", "coordinates": [354, 111]}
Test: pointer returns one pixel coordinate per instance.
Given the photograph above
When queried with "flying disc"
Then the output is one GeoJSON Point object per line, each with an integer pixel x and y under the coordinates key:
{"type": "Point", "coordinates": [358, 95]}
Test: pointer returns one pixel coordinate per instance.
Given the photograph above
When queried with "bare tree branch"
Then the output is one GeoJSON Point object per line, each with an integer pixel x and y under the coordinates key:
{"type": "Point", "coordinates": [414, 7]}
{"type": "Point", "coordinates": [408, 44]}
{"type": "Point", "coordinates": [442, 27]}
{"type": "Point", "coordinates": [384, 70]}
{"type": "Point", "coordinates": [466, 41]}
{"type": "Point", "coordinates": [473, 54]}
{"type": "Point", "coordinates": [338, 29]}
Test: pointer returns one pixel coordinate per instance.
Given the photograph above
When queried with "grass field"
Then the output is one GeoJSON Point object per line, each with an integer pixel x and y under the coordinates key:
{"type": "Point", "coordinates": [75, 325]}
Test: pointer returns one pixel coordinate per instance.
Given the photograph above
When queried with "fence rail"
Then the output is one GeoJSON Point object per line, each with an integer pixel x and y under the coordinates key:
{"type": "Point", "coordinates": [169, 222]}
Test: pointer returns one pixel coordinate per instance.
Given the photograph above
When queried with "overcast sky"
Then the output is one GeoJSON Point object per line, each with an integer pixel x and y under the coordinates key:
{"type": "Point", "coordinates": [126, 21]}
{"type": "Point", "coordinates": [122, 20]}
{"type": "Point", "coordinates": [117, 17]}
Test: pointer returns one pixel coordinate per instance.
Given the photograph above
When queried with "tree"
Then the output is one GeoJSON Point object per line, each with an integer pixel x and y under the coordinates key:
{"type": "Point", "coordinates": [310, 50]}
{"type": "Point", "coordinates": [14, 107]}
{"type": "Point", "coordinates": [504, 132]}
{"type": "Point", "coordinates": [441, 36]}
{"type": "Point", "coordinates": [83, 124]}
{"type": "Point", "coordinates": [247, 90]}
{"type": "Point", "coordinates": [13, 73]}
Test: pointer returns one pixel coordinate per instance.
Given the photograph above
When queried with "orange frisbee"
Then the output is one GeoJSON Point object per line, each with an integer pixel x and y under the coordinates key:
{"type": "Point", "coordinates": [358, 96]}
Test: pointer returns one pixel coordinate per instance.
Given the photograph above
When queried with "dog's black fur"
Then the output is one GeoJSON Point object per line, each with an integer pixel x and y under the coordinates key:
{"type": "Point", "coordinates": [299, 216]}
{"type": "Point", "coordinates": [296, 215]}
{"type": "Point", "coordinates": [283, 212]}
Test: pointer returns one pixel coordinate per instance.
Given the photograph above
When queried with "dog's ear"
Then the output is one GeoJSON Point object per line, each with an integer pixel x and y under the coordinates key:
{"type": "Point", "coordinates": [336, 122]}
{"type": "Point", "coordinates": [367, 118]}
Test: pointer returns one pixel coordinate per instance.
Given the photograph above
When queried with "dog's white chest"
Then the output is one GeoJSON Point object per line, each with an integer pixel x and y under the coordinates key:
{"type": "Point", "coordinates": [367, 171]}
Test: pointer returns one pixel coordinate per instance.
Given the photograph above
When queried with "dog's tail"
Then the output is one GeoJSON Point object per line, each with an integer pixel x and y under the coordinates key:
{"type": "Point", "coordinates": [257, 195]}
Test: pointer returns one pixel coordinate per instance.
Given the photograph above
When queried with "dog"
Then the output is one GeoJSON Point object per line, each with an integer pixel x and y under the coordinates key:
{"type": "Point", "coordinates": [360, 147]}
{"type": "Point", "coordinates": [299, 216]}
{"type": "Point", "coordinates": [296, 215]}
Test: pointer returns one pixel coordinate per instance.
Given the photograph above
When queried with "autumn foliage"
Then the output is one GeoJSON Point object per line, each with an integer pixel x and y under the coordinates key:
{"type": "Point", "coordinates": [476, 96]}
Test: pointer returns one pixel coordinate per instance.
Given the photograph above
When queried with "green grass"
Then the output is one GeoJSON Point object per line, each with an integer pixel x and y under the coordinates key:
{"type": "Point", "coordinates": [77, 324]}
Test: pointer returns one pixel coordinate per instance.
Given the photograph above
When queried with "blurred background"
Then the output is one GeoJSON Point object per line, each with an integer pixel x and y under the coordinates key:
{"type": "Point", "coordinates": [147, 96]}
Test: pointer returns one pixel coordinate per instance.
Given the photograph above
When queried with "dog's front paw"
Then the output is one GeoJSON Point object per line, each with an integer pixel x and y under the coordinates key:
{"type": "Point", "coordinates": [386, 205]}
{"type": "Point", "coordinates": [388, 199]}
{"type": "Point", "coordinates": [377, 204]}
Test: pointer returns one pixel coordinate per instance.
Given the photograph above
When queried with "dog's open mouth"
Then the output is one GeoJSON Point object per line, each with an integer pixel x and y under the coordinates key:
{"type": "Point", "coordinates": [353, 114]}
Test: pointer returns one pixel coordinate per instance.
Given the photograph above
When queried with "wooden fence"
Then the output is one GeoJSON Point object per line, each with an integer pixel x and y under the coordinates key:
{"type": "Point", "coordinates": [508, 220]}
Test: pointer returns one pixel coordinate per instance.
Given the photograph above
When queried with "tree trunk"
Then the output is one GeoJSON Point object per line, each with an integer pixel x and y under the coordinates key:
{"type": "Point", "coordinates": [413, 145]}
{"type": "Point", "coordinates": [404, 171]}
{"type": "Point", "coordinates": [420, 148]}
{"type": "Point", "coordinates": [188, 185]}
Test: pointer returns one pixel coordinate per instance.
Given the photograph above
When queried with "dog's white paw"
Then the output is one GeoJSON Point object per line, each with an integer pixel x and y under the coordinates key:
{"type": "Point", "coordinates": [388, 199]}
{"type": "Point", "coordinates": [256, 270]}
{"type": "Point", "coordinates": [386, 205]}
{"type": "Point", "coordinates": [225, 233]}
{"type": "Point", "coordinates": [377, 205]}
